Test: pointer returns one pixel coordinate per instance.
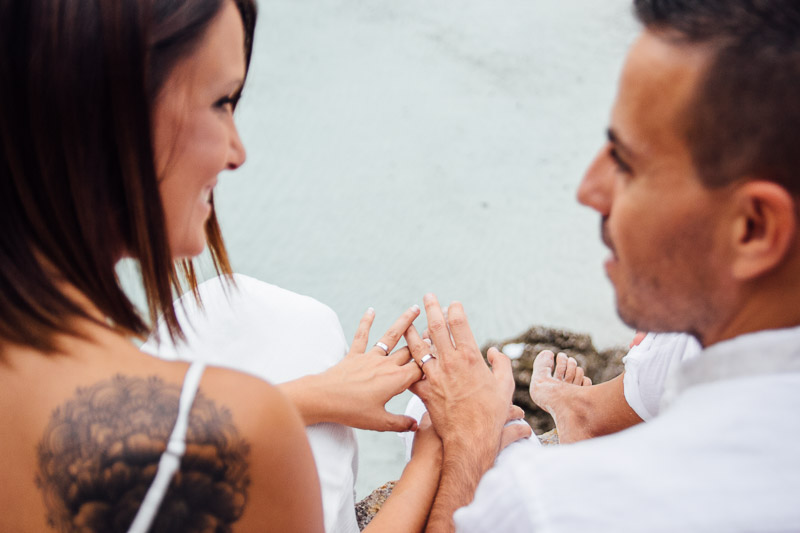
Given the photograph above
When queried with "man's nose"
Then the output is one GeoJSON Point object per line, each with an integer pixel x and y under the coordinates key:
{"type": "Point", "coordinates": [597, 186]}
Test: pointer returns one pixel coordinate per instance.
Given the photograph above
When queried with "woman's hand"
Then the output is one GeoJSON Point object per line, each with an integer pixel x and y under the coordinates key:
{"type": "Point", "coordinates": [354, 392]}
{"type": "Point", "coordinates": [516, 431]}
{"type": "Point", "coordinates": [412, 496]}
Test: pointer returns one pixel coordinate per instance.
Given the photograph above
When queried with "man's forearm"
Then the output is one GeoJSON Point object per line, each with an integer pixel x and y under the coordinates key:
{"type": "Point", "coordinates": [464, 463]}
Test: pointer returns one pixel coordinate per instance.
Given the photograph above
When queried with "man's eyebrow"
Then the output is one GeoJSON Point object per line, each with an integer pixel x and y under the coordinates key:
{"type": "Point", "coordinates": [620, 146]}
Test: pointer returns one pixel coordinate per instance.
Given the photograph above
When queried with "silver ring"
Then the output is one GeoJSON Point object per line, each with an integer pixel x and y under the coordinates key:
{"type": "Point", "coordinates": [425, 359]}
{"type": "Point", "coordinates": [383, 347]}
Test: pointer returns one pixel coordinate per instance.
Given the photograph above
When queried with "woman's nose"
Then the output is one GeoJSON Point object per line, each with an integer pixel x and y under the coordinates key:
{"type": "Point", "coordinates": [236, 153]}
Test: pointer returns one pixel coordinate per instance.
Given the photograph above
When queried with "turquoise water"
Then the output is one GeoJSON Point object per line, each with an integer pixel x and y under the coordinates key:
{"type": "Point", "coordinates": [397, 148]}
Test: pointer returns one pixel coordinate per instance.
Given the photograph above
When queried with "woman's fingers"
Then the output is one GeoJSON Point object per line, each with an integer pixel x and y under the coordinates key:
{"type": "Point", "coordinates": [514, 432]}
{"type": "Point", "coordinates": [361, 338]}
{"type": "Point", "coordinates": [399, 327]}
{"type": "Point", "coordinates": [410, 369]}
{"type": "Point", "coordinates": [398, 423]}
{"type": "Point", "coordinates": [421, 388]}
{"type": "Point", "coordinates": [420, 349]}
{"type": "Point", "coordinates": [515, 412]}
{"type": "Point", "coordinates": [401, 356]}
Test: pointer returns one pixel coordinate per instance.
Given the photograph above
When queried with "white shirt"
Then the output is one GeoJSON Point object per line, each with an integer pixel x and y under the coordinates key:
{"type": "Point", "coordinates": [278, 336]}
{"type": "Point", "coordinates": [721, 457]}
{"type": "Point", "coordinates": [649, 364]}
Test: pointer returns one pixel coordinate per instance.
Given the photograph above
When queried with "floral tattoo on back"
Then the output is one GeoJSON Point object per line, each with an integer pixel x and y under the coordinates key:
{"type": "Point", "coordinates": [100, 452]}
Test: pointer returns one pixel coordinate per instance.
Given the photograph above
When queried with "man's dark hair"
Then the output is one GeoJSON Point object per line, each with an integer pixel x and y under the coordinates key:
{"type": "Point", "coordinates": [745, 116]}
{"type": "Point", "coordinates": [78, 185]}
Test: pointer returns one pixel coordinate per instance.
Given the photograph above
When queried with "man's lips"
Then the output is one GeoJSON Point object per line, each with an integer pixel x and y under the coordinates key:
{"type": "Point", "coordinates": [604, 235]}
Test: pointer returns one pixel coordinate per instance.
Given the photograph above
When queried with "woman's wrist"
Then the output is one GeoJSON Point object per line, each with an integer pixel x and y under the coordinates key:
{"type": "Point", "coordinates": [426, 463]}
{"type": "Point", "coordinates": [309, 396]}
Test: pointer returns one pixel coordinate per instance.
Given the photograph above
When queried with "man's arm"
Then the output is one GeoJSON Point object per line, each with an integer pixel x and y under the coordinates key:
{"type": "Point", "coordinates": [468, 404]}
{"type": "Point", "coordinates": [462, 468]}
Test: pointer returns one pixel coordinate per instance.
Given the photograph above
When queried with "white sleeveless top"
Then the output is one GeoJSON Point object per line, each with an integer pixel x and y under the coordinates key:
{"type": "Point", "coordinates": [171, 458]}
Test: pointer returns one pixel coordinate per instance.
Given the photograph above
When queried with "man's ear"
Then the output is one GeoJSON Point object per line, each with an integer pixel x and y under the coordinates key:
{"type": "Point", "coordinates": [764, 229]}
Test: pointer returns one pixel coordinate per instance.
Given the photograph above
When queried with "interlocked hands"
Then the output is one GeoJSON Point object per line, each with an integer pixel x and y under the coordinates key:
{"type": "Point", "coordinates": [468, 402]}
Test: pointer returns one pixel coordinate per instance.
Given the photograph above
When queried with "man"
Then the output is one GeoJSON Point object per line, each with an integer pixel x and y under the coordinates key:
{"type": "Point", "coordinates": [697, 187]}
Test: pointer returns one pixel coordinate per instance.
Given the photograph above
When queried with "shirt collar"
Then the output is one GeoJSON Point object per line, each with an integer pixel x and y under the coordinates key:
{"type": "Point", "coordinates": [766, 352]}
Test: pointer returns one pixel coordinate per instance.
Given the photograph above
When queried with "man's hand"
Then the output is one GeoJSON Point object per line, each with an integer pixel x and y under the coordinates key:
{"type": "Point", "coordinates": [468, 404]}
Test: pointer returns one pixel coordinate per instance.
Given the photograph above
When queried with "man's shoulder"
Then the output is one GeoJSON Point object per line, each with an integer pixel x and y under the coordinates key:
{"type": "Point", "coordinates": [257, 328]}
{"type": "Point", "coordinates": [246, 296]}
{"type": "Point", "coordinates": [273, 296]}
{"type": "Point", "coordinates": [662, 472]}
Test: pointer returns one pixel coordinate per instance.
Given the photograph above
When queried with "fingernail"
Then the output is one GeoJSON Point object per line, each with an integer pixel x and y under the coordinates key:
{"type": "Point", "coordinates": [430, 342]}
{"type": "Point", "coordinates": [370, 310]}
{"type": "Point", "coordinates": [428, 297]}
{"type": "Point", "coordinates": [415, 307]}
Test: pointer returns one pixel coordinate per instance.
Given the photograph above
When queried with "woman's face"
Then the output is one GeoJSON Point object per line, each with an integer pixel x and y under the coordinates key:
{"type": "Point", "coordinates": [194, 134]}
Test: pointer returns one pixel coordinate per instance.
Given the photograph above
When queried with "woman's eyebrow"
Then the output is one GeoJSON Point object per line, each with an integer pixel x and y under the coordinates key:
{"type": "Point", "coordinates": [621, 147]}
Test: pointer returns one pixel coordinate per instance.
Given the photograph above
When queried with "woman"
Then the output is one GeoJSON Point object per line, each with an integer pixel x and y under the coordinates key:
{"type": "Point", "coordinates": [115, 121]}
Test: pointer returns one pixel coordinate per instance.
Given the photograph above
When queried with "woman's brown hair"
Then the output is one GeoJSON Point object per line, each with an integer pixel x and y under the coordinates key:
{"type": "Point", "coordinates": [78, 186]}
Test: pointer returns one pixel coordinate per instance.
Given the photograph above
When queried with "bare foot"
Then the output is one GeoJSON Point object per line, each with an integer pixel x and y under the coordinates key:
{"type": "Point", "coordinates": [557, 386]}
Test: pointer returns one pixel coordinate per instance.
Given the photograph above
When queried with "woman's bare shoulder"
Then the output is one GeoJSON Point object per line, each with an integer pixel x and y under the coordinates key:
{"type": "Point", "coordinates": [283, 474]}
{"type": "Point", "coordinates": [100, 433]}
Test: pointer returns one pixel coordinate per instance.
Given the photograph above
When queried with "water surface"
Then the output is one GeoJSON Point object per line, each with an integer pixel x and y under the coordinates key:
{"type": "Point", "coordinates": [400, 147]}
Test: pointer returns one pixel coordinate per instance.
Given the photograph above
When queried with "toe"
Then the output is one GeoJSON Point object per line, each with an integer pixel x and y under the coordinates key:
{"type": "Point", "coordinates": [586, 382]}
{"type": "Point", "coordinates": [543, 365]}
{"type": "Point", "coordinates": [561, 366]}
{"type": "Point", "coordinates": [572, 368]}
{"type": "Point", "coordinates": [578, 379]}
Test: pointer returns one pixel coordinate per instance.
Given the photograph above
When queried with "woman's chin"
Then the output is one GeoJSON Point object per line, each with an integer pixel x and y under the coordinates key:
{"type": "Point", "coordinates": [189, 249]}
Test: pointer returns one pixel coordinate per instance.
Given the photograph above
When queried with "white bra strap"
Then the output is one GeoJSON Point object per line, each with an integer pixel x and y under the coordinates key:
{"type": "Point", "coordinates": [171, 458]}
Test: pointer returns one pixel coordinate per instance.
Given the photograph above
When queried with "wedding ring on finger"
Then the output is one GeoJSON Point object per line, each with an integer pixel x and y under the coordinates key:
{"type": "Point", "coordinates": [383, 347]}
{"type": "Point", "coordinates": [425, 359]}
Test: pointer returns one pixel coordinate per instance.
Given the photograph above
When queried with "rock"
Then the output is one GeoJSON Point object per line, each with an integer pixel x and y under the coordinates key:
{"type": "Point", "coordinates": [367, 508]}
{"type": "Point", "coordinates": [550, 438]}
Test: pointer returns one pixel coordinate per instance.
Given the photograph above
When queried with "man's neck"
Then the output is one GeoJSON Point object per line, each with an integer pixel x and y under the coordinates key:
{"type": "Point", "coordinates": [765, 305]}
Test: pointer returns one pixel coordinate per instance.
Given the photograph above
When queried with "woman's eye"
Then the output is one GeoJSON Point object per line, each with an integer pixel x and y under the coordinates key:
{"type": "Point", "coordinates": [226, 102]}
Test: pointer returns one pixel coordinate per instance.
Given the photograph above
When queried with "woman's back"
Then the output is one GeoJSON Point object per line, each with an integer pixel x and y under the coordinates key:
{"type": "Point", "coordinates": [83, 433]}
{"type": "Point", "coordinates": [116, 119]}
